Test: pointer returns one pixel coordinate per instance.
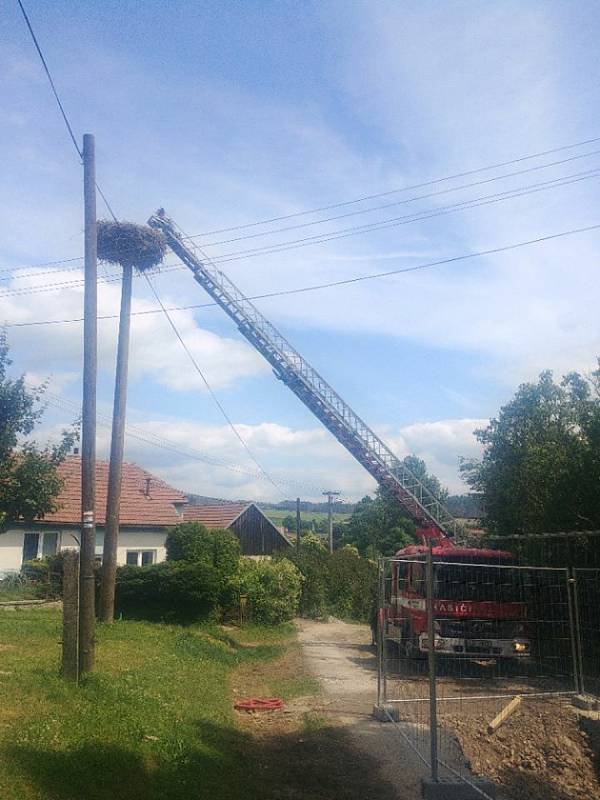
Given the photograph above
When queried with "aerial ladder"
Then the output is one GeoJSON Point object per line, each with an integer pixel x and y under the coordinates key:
{"type": "Point", "coordinates": [435, 524]}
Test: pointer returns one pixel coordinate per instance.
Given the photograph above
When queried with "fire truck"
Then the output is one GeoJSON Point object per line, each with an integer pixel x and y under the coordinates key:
{"type": "Point", "coordinates": [479, 602]}
{"type": "Point", "coordinates": [465, 617]}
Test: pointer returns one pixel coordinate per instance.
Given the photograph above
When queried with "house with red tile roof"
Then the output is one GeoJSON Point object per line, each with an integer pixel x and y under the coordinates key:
{"type": "Point", "coordinates": [149, 507]}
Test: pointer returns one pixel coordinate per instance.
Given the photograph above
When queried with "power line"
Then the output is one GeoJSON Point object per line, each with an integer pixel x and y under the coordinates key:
{"type": "Point", "coordinates": [426, 196]}
{"type": "Point", "coordinates": [422, 185]}
{"type": "Point", "coordinates": [219, 405]}
{"type": "Point", "coordinates": [333, 284]}
{"type": "Point", "coordinates": [342, 233]}
{"type": "Point", "coordinates": [361, 211]}
{"type": "Point", "coordinates": [150, 438]}
{"type": "Point", "coordinates": [394, 222]}
{"type": "Point", "coordinates": [80, 154]}
{"type": "Point", "coordinates": [58, 101]}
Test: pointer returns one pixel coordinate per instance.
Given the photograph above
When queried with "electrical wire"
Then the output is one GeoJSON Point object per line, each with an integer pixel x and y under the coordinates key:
{"type": "Point", "coordinates": [394, 222]}
{"type": "Point", "coordinates": [216, 400]}
{"type": "Point", "coordinates": [342, 233]}
{"type": "Point", "coordinates": [58, 101]}
{"type": "Point", "coordinates": [80, 154]}
{"type": "Point", "coordinates": [363, 211]}
{"type": "Point", "coordinates": [422, 185]}
{"type": "Point", "coordinates": [342, 282]}
{"type": "Point", "coordinates": [150, 438]}
{"type": "Point", "coordinates": [399, 202]}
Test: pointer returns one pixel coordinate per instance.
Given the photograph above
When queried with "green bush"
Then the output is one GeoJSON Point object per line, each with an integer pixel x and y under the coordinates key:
{"type": "Point", "coordinates": [272, 588]}
{"type": "Point", "coordinates": [352, 584]}
{"type": "Point", "coordinates": [219, 548]}
{"type": "Point", "coordinates": [171, 591]}
{"type": "Point", "coordinates": [312, 563]}
{"type": "Point", "coordinates": [342, 583]}
{"type": "Point", "coordinates": [191, 541]}
{"type": "Point", "coordinates": [45, 574]}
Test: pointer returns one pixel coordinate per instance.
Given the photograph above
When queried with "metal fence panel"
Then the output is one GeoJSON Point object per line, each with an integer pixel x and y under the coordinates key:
{"type": "Point", "coordinates": [500, 632]}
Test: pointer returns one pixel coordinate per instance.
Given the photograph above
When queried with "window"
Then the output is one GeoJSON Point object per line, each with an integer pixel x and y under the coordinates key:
{"type": "Point", "coordinates": [39, 545]}
{"type": "Point", "coordinates": [140, 558]}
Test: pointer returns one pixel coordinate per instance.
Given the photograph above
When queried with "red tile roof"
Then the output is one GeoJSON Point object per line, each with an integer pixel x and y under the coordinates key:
{"type": "Point", "coordinates": [219, 516]}
{"type": "Point", "coordinates": [155, 509]}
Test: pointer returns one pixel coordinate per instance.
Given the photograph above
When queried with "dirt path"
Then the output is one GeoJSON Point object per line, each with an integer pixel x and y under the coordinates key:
{"type": "Point", "coordinates": [340, 656]}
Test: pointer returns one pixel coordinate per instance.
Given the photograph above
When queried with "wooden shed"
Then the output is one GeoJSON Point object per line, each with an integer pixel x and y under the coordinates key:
{"type": "Point", "coordinates": [257, 534]}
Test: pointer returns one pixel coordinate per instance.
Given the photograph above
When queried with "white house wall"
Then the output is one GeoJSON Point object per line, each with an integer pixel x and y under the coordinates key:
{"type": "Point", "coordinates": [132, 540]}
{"type": "Point", "coordinates": [11, 545]}
{"type": "Point", "coordinates": [11, 551]}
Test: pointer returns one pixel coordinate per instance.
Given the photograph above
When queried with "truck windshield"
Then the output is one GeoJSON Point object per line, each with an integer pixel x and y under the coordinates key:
{"type": "Point", "coordinates": [479, 583]}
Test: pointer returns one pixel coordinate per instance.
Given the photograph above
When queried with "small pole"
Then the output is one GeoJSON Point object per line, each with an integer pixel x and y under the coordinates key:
{"type": "Point", "coordinates": [298, 524]}
{"type": "Point", "coordinates": [113, 498]}
{"type": "Point", "coordinates": [573, 630]}
{"type": "Point", "coordinates": [88, 416]}
{"type": "Point", "coordinates": [70, 643]}
{"type": "Point", "coordinates": [380, 633]}
{"type": "Point", "coordinates": [431, 663]}
{"type": "Point", "coordinates": [330, 495]}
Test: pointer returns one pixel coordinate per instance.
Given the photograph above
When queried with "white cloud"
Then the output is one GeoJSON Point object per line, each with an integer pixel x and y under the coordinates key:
{"type": "Point", "coordinates": [302, 461]}
{"type": "Point", "coordinates": [155, 352]}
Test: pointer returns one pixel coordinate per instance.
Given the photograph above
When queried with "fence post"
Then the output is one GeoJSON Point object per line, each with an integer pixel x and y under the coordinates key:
{"type": "Point", "coordinates": [571, 602]}
{"type": "Point", "coordinates": [577, 621]}
{"type": "Point", "coordinates": [433, 731]}
{"type": "Point", "coordinates": [70, 633]}
{"type": "Point", "coordinates": [382, 627]}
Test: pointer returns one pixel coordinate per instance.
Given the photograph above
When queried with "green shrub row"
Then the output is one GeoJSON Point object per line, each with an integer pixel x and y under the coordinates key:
{"type": "Point", "coordinates": [341, 583]}
{"type": "Point", "coordinates": [205, 577]}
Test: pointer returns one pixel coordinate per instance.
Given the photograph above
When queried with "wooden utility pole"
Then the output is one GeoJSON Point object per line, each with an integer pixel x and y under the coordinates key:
{"type": "Point", "coordinates": [330, 496]}
{"type": "Point", "coordinates": [88, 417]}
{"type": "Point", "coordinates": [113, 499]}
{"type": "Point", "coordinates": [298, 524]}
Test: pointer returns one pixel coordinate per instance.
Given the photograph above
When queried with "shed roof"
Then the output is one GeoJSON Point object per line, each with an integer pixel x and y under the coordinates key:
{"type": "Point", "coordinates": [218, 516]}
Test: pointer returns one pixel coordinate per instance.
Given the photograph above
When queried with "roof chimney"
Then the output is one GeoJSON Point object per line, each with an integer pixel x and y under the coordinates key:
{"type": "Point", "coordinates": [147, 489]}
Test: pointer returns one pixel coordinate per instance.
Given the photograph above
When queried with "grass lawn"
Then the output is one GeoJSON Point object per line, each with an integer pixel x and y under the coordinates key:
{"type": "Point", "coordinates": [154, 721]}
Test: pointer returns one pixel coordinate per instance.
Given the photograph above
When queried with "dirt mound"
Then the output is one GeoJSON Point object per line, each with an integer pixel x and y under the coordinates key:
{"type": "Point", "coordinates": [546, 750]}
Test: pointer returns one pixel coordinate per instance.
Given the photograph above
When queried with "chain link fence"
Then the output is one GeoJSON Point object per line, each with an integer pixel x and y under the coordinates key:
{"type": "Point", "coordinates": [507, 638]}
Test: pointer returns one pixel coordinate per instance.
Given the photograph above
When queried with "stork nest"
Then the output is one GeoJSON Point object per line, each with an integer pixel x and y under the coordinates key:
{"type": "Point", "coordinates": [130, 245]}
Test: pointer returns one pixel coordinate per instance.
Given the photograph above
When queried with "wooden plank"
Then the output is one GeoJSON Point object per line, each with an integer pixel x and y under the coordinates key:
{"type": "Point", "coordinates": [504, 714]}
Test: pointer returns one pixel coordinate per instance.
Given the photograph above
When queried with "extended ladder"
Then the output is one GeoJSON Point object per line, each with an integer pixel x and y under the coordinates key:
{"type": "Point", "coordinates": [314, 391]}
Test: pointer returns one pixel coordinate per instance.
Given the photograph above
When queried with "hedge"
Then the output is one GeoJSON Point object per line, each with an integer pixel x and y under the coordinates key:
{"type": "Point", "coordinates": [172, 591]}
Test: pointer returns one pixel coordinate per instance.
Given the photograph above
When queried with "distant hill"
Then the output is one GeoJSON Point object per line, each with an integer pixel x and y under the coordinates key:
{"type": "Point", "coordinates": [464, 506]}
{"type": "Point", "coordinates": [305, 505]}
{"type": "Point", "coordinates": [202, 500]}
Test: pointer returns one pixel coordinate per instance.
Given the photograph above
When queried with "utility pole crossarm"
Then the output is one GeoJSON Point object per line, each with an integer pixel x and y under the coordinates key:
{"type": "Point", "coordinates": [311, 388]}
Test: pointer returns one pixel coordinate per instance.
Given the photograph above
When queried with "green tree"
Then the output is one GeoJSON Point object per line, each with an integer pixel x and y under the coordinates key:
{"type": "Point", "coordinates": [379, 525]}
{"type": "Point", "coordinates": [29, 479]}
{"type": "Point", "coordinates": [540, 468]}
{"type": "Point", "coordinates": [191, 541]}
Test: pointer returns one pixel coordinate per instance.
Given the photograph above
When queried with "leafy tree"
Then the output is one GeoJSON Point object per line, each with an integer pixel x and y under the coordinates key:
{"type": "Point", "coordinates": [540, 469]}
{"type": "Point", "coordinates": [191, 541]}
{"type": "Point", "coordinates": [29, 480]}
{"type": "Point", "coordinates": [379, 525]}
{"type": "Point", "coordinates": [419, 469]}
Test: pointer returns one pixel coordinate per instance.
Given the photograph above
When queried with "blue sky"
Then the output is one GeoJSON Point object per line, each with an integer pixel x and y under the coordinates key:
{"type": "Point", "coordinates": [226, 113]}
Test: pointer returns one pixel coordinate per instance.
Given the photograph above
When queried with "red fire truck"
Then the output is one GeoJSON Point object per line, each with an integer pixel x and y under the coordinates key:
{"type": "Point", "coordinates": [480, 620]}
{"type": "Point", "coordinates": [479, 602]}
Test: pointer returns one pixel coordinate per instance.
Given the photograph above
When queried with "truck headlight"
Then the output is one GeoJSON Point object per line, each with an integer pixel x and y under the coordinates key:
{"type": "Point", "coordinates": [520, 647]}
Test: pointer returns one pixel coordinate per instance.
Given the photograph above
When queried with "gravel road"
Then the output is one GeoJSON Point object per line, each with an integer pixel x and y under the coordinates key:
{"type": "Point", "coordinates": [340, 656]}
